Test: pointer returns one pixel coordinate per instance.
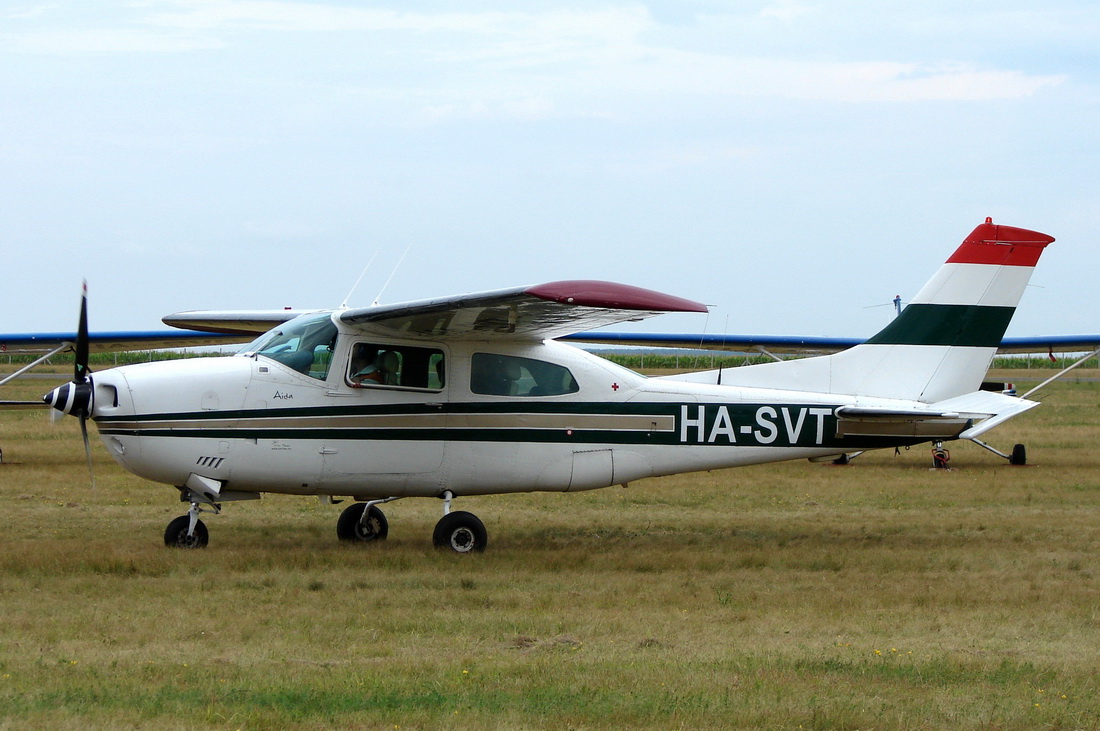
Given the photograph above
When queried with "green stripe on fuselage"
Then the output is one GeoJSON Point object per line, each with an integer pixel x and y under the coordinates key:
{"type": "Point", "coordinates": [654, 423]}
{"type": "Point", "coordinates": [948, 325]}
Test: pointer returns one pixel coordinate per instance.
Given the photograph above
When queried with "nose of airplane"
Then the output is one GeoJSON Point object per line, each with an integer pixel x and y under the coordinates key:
{"type": "Point", "coordinates": [73, 398]}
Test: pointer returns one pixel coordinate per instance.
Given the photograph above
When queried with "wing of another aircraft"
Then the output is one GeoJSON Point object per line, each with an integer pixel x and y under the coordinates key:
{"type": "Point", "coordinates": [115, 342]}
{"type": "Point", "coordinates": [803, 345]}
{"type": "Point", "coordinates": [799, 345]}
{"type": "Point", "coordinates": [1050, 344]}
{"type": "Point", "coordinates": [537, 312]}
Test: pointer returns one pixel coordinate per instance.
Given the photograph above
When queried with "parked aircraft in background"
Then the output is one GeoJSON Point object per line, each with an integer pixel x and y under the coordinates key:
{"type": "Point", "coordinates": [475, 394]}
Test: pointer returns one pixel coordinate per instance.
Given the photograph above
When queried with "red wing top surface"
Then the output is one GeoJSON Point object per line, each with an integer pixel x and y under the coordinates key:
{"type": "Point", "coordinates": [536, 312]}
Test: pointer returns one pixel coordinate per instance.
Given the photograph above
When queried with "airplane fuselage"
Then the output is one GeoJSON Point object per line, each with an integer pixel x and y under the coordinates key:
{"type": "Point", "coordinates": [566, 420]}
{"type": "Point", "coordinates": [469, 394]}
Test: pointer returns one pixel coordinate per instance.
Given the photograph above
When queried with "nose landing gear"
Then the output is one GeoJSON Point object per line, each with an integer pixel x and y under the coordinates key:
{"type": "Point", "coordinates": [187, 531]}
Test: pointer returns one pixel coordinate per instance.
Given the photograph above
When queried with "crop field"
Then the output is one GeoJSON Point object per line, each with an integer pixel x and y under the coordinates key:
{"type": "Point", "coordinates": [878, 595]}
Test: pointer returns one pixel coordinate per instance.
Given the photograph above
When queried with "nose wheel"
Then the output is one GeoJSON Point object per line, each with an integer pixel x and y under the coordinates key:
{"type": "Point", "coordinates": [187, 531]}
{"type": "Point", "coordinates": [179, 535]}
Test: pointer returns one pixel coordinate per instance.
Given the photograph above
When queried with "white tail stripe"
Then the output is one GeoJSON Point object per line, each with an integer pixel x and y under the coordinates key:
{"type": "Point", "coordinates": [975, 284]}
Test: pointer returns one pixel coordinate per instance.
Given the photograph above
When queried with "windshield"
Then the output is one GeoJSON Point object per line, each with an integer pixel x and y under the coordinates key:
{"type": "Point", "coordinates": [304, 344]}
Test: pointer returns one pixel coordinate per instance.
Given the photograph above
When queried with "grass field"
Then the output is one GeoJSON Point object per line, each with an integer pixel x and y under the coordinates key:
{"type": "Point", "coordinates": [877, 595]}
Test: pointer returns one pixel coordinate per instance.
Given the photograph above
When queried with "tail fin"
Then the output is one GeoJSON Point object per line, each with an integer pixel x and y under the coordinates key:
{"type": "Point", "coordinates": [942, 343]}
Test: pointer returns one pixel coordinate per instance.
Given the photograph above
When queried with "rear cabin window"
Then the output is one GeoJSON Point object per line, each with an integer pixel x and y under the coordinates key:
{"type": "Point", "coordinates": [509, 375]}
{"type": "Point", "coordinates": [374, 365]}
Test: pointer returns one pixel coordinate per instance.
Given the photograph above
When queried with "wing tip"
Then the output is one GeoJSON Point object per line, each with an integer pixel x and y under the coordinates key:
{"type": "Point", "coordinates": [612, 296]}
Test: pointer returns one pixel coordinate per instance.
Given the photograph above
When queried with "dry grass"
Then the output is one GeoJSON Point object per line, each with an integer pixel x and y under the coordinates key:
{"type": "Point", "coordinates": [880, 595]}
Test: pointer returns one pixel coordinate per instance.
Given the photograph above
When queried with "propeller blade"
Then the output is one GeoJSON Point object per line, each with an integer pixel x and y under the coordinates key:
{"type": "Point", "coordinates": [87, 448]}
{"type": "Point", "coordinates": [80, 361]}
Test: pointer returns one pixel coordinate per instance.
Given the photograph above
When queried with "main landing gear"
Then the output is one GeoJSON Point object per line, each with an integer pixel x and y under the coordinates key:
{"type": "Point", "coordinates": [460, 531]}
{"type": "Point", "coordinates": [363, 523]}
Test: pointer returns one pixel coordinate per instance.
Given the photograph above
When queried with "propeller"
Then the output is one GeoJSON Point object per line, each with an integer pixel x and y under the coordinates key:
{"type": "Point", "coordinates": [76, 397]}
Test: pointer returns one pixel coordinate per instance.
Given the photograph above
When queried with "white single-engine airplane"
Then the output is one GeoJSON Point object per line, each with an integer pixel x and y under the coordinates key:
{"type": "Point", "coordinates": [472, 395]}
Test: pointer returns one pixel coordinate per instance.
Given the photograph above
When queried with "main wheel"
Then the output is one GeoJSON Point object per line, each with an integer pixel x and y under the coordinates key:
{"type": "Point", "coordinates": [461, 532]}
{"type": "Point", "coordinates": [175, 535]}
{"type": "Point", "coordinates": [352, 526]}
{"type": "Point", "coordinates": [1019, 455]}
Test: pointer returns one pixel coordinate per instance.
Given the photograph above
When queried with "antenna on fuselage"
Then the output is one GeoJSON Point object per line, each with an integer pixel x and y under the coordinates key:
{"type": "Point", "coordinates": [344, 304]}
{"type": "Point", "coordinates": [378, 297]}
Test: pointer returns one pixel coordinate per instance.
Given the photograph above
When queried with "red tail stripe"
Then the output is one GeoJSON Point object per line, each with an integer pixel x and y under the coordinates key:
{"type": "Point", "coordinates": [1001, 245]}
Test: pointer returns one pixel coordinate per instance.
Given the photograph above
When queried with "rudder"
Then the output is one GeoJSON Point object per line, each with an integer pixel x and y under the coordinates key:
{"type": "Point", "coordinates": [942, 343]}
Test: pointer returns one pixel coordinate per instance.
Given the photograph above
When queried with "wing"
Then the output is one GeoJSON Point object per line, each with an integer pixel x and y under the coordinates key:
{"type": "Point", "coordinates": [235, 322]}
{"type": "Point", "coordinates": [536, 312]}
{"type": "Point", "coordinates": [1050, 344]}
{"type": "Point", "coordinates": [199, 327]}
{"type": "Point", "coordinates": [806, 345]}
{"type": "Point", "coordinates": [112, 342]}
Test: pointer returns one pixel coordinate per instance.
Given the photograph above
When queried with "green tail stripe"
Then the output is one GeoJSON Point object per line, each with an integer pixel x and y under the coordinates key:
{"type": "Point", "coordinates": [957, 325]}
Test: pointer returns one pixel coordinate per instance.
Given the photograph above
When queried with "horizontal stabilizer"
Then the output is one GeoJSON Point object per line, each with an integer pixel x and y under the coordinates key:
{"type": "Point", "coordinates": [962, 417]}
{"type": "Point", "coordinates": [928, 423]}
{"type": "Point", "coordinates": [999, 406]}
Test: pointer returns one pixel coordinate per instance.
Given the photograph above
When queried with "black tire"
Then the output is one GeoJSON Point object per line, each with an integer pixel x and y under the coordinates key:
{"type": "Point", "coordinates": [175, 535]}
{"type": "Point", "coordinates": [461, 532]}
{"type": "Point", "coordinates": [1019, 455]}
{"type": "Point", "coordinates": [350, 527]}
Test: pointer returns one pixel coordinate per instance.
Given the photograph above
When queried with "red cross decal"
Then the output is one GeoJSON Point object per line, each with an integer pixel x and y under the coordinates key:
{"type": "Point", "coordinates": [614, 387]}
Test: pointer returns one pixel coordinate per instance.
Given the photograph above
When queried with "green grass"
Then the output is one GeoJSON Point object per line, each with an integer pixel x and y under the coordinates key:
{"type": "Point", "coordinates": [878, 595]}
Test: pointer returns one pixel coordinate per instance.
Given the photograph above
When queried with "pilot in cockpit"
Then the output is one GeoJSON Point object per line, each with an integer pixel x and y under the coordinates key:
{"type": "Point", "coordinates": [381, 369]}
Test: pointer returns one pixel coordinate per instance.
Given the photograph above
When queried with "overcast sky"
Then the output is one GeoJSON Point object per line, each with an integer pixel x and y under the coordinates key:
{"type": "Point", "coordinates": [792, 162]}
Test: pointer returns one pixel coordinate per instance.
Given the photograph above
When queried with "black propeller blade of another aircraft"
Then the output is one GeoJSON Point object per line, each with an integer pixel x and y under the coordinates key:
{"type": "Point", "coordinates": [76, 398]}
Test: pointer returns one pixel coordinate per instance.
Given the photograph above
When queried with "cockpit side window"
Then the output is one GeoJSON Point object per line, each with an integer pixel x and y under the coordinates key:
{"type": "Point", "coordinates": [304, 344]}
{"type": "Point", "coordinates": [509, 375]}
{"type": "Point", "coordinates": [405, 366]}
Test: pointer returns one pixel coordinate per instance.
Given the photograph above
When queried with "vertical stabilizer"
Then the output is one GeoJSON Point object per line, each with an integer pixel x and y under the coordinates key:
{"type": "Point", "coordinates": [942, 343]}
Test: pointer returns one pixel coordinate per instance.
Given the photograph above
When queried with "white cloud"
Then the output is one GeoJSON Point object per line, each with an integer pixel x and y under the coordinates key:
{"type": "Point", "coordinates": [531, 65]}
{"type": "Point", "coordinates": [786, 10]}
{"type": "Point", "coordinates": [105, 40]}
